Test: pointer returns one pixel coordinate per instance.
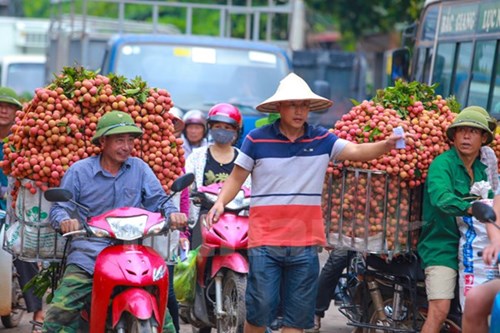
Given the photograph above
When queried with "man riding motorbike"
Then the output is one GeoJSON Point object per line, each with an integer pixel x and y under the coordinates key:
{"type": "Point", "coordinates": [109, 180]}
{"type": "Point", "coordinates": [446, 196]}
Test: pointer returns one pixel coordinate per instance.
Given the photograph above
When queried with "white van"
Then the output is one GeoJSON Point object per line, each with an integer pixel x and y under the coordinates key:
{"type": "Point", "coordinates": [23, 73]}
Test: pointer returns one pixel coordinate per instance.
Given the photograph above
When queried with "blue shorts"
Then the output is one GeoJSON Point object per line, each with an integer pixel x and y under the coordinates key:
{"type": "Point", "coordinates": [285, 278]}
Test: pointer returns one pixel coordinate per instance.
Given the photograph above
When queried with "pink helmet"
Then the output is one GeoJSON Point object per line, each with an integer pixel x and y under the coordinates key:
{"type": "Point", "coordinates": [225, 113]}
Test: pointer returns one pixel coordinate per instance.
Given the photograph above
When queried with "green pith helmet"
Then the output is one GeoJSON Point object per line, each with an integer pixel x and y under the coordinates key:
{"type": "Point", "coordinates": [115, 122]}
{"type": "Point", "coordinates": [492, 122]}
{"type": "Point", "coordinates": [470, 118]}
{"type": "Point", "coordinates": [8, 95]}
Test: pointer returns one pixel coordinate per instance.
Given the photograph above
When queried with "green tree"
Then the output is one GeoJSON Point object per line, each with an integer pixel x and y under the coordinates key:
{"type": "Point", "coordinates": [355, 18]}
{"type": "Point", "coordinates": [36, 8]}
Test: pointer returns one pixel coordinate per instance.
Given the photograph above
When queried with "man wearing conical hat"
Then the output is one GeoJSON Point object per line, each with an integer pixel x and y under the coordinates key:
{"type": "Point", "coordinates": [447, 196]}
{"type": "Point", "coordinates": [287, 160]}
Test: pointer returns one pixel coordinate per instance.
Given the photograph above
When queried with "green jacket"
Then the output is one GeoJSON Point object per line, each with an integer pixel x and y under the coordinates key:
{"type": "Point", "coordinates": [446, 196]}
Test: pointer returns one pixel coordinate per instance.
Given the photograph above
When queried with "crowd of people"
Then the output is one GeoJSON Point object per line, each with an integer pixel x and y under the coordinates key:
{"type": "Point", "coordinates": [284, 163]}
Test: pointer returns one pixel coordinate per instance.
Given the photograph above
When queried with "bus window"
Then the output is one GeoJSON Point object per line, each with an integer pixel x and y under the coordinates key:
{"type": "Point", "coordinates": [430, 23]}
{"type": "Point", "coordinates": [443, 67]}
{"type": "Point", "coordinates": [481, 73]}
{"type": "Point", "coordinates": [495, 103]}
{"type": "Point", "coordinates": [423, 65]}
{"type": "Point", "coordinates": [462, 72]}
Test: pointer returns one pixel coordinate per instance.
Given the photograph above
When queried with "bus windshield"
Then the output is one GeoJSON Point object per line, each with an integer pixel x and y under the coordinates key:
{"type": "Point", "coordinates": [199, 77]}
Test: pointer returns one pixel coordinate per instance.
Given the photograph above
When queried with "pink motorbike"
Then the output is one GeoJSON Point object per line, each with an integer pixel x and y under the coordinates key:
{"type": "Point", "coordinates": [130, 288]}
{"type": "Point", "coordinates": [221, 264]}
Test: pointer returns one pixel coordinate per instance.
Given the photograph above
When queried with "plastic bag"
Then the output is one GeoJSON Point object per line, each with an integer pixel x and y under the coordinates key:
{"type": "Point", "coordinates": [471, 267]}
{"type": "Point", "coordinates": [185, 278]}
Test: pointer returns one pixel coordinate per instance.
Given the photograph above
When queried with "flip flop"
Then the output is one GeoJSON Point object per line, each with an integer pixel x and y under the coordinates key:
{"type": "Point", "coordinates": [37, 326]}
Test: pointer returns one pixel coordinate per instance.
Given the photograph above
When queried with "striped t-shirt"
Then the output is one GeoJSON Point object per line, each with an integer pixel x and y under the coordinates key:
{"type": "Point", "coordinates": [287, 182]}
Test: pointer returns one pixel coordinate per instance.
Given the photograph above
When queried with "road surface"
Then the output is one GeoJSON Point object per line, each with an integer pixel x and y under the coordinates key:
{"type": "Point", "coordinates": [334, 321]}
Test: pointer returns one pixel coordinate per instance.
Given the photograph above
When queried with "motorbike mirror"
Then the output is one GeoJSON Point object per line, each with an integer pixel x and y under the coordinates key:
{"type": "Point", "coordinates": [57, 194]}
{"type": "Point", "coordinates": [483, 212]}
{"type": "Point", "coordinates": [182, 182]}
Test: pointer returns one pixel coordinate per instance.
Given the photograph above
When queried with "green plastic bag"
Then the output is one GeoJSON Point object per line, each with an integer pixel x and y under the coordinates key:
{"type": "Point", "coordinates": [185, 278]}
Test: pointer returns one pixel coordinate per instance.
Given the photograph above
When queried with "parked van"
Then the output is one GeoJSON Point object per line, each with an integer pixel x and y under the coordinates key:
{"type": "Point", "coordinates": [23, 73]}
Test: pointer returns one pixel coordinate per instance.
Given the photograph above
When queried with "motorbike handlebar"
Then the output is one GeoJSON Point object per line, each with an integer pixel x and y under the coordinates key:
{"type": "Point", "coordinates": [76, 232]}
{"type": "Point", "coordinates": [166, 226]}
{"type": "Point", "coordinates": [199, 199]}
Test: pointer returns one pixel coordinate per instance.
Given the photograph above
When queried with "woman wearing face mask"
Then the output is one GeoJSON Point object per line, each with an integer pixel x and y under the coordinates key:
{"type": "Point", "coordinates": [214, 163]}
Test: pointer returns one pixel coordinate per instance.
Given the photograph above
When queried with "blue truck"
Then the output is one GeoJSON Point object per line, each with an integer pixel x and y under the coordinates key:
{"type": "Point", "coordinates": [198, 71]}
{"type": "Point", "coordinates": [201, 71]}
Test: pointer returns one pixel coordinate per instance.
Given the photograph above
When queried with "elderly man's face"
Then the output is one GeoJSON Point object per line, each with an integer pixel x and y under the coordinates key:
{"type": "Point", "coordinates": [7, 113]}
{"type": "Point", "coordinates": [468, 140]}
{"type": "Point", "coordinates": [117, 147]}
{"type": "Point", "coordinates": [294, 113]}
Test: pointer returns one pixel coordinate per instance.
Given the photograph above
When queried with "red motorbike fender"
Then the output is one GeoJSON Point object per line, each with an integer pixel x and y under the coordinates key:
{"type": "Point", "coordinates": [138, 302]}
{"type": "Point", "coordinates": [234, 261]}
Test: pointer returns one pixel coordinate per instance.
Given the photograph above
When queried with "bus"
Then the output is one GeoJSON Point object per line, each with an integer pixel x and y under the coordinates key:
{"type": "Point", "coordinates": [457, 46]}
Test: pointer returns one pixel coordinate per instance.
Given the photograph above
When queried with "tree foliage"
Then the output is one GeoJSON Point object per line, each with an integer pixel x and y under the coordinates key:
{"type": "Point", "coordinates": [356, 18]}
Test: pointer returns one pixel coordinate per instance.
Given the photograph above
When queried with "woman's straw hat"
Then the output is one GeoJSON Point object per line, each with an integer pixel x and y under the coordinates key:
{"type": "Point", "coordinates": [294, 88]}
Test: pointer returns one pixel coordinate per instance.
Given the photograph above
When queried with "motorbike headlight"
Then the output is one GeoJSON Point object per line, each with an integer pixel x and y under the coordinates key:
{"type": "Point", "coordinates": [98, 232]}
{"type": "Point", "coordinates": [128, 228]}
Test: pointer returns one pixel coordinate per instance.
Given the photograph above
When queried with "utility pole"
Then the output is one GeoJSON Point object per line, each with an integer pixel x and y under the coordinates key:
{"type": "Point", "coordinates": [298, 25]}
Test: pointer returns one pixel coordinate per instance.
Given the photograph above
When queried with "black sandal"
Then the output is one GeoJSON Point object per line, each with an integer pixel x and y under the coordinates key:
{"type": "Point", "coordinates": [36, 326]}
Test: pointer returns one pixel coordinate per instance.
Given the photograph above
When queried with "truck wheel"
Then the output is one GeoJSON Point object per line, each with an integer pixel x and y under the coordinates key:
{"type": "Point", "coordinates": [233, 303]}
{"type": "Point", "coordinates": [18, 306]}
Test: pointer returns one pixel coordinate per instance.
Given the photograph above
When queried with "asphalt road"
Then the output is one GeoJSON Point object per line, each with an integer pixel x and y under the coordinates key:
{"type": "Point", "coordinates": [334, 321]}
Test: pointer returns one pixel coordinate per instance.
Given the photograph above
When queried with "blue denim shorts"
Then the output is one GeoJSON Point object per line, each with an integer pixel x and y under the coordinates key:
{"type": "Point", "coordinates": [284, 280]}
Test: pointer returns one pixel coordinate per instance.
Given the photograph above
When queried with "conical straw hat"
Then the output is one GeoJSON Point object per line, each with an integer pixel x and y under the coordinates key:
{"type": "Point", "coordinates": [294, 88]}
